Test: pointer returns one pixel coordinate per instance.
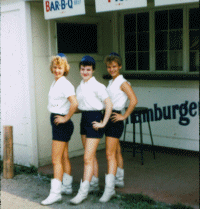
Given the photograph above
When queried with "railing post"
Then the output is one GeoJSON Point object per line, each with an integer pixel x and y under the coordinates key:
{"type": "Point", "coordinates": [8, 166]}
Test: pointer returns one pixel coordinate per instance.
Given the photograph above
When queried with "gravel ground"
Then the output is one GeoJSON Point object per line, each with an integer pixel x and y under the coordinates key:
{"type": "Point", "coordinates": [27, 191]}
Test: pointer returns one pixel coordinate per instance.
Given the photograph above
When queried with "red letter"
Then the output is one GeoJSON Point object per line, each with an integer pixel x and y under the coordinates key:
{"type": "Point", "coordinates": [47, 6]}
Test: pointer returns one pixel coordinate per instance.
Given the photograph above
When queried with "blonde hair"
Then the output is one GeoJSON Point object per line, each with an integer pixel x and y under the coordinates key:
{"type": "Point", "coordinates": [108, 59]}
{"type": "Point", "coordinates": [57, 60]}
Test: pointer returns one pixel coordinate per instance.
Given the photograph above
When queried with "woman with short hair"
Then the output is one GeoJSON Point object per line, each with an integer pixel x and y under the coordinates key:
{"type": "Point", "coordinates": [92, 97]}
{"type": "Point", "coordinates": [62, 104]}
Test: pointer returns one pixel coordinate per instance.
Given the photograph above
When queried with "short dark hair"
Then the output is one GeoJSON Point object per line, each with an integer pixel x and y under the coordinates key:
{"type": "Point", "coordinates": [87, 64]}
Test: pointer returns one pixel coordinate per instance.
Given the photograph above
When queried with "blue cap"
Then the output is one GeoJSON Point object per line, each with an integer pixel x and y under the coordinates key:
{"type": "Point", "coordinates": [114, 54]}
{"type": "Point", "coordinates": [61, 55]}
{"type": "Point", "coordinates": [88, 59]}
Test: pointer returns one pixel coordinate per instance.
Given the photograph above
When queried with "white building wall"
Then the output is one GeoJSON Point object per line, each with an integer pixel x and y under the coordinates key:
{"type": "Point", "coordinates": [168, 132]}
{"type": "Point", "coordinates": [164, 93]}
{"type": "Point", "coordinates": [44, 46]}
{"type": "Point", "coordinates": [28, 42]}
{"type": "Point", "coordinates": [18, 108]}
{"type": "Point", "coordinates": [0, 89]}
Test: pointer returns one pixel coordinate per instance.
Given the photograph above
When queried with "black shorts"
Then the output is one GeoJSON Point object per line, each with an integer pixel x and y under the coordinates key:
{"type": "Point", "coordinates": [114, 130]}
{"type": "Point", "coordinates": [63, 131]}
{"type": "Point", "coordinates": [86, 124]}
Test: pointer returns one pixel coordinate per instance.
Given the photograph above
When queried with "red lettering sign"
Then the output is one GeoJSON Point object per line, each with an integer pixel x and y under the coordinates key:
{"type": "Point", "coordinates": [47, 6]}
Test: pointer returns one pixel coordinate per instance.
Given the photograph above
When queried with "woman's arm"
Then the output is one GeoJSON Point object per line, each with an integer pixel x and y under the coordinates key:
{"type": "Point", "coordinates": [73, 108]}
{"type": "Point", "coordinates": [78, 111]}
{"type": "Point", "coordinates": [108, 111]}
{"type": "Point", "coordinates": [126, 88]}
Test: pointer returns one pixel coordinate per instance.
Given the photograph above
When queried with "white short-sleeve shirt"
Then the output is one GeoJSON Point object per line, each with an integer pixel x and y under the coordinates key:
{"type": "Point", "coordinates": [117, 96]}
{"type": "Point", "coordinates": [91, 95]}
{"type": "Point", "coordinates": [60, 90]}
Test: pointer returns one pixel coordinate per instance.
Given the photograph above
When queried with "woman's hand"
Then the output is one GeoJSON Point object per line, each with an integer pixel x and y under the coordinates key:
{"type": "Point", "coordinates": [97, 125]}
{"type": "Point", "coordinates": [58, 119]}
{"type": "Point", "coordinates": [117, 117]}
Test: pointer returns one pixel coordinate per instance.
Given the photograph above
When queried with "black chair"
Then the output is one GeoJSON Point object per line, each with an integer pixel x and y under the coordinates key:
{"type": "Point", "coordinates": [138, 112]}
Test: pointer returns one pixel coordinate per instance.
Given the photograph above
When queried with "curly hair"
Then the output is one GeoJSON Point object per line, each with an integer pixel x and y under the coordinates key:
{"type": "Point", "coordinates": [57, 60]}
{"type": "Point", "coordinates": [109, 59]}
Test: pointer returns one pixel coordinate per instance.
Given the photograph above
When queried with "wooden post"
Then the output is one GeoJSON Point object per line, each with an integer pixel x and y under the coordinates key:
{"type": "Point", "coordinates": [8, 167]}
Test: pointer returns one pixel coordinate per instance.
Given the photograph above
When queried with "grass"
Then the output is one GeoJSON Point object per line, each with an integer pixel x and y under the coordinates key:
{"type": "Point", "coordinates": [19, 169]}
{"type": "Point", "coordinates": [25, 170]}
{"type": "Point", "coordinates": [1, 166]}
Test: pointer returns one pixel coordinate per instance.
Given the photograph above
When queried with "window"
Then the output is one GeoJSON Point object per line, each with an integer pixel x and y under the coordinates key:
{"type": "Point", "coordinates": [194, 24]}
{"type": "Point", "coordinates": [137, 41]}
{"type": "Point", "coordinates": [168, 40]}
{"type": "Point", "coordinates": [77, 38]}
{"type": "Point", "coordinates": [167, 51]}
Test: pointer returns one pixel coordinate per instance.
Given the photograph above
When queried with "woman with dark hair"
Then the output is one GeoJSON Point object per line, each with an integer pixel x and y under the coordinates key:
{"type": "Point", "coordinates": [92, 96]}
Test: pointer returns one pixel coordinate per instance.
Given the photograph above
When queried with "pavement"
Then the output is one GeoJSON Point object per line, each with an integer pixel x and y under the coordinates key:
{"type": "Point", "coordinates": [27, 191]}
{"type": "Point", "coordinates": [171, 178]}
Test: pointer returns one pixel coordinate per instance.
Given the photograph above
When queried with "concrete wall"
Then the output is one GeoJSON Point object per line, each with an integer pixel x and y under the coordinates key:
{"type": "Point", "coordinates": [44, 46]}
{"type": "Point", "coordinates": [18, 105]}
{"type": "Point", "coordinates": [28, 42]}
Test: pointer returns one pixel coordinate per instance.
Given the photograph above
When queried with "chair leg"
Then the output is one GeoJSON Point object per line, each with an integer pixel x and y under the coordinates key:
{"type": "Point", "coordinates": [151, 140]}
{"type": "Point", "coordinates": [141, 142]}
{"type": "Point", "coordinates": [124, 132]}
{"type": "Point", "coordinates": [124, 135]}
{"type": "Point", "coordinates": [133, 139]}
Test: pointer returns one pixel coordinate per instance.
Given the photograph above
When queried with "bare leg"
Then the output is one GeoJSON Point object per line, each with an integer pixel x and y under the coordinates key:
{"type": "Point", "coordinates": [119, 177]}
{"type": "Point", "coordinates": [111, 150]}
{"type": "Point", "coordinates": [57, 153]}
{"type": "Point", "coordinates": [65, 160]}
{"type": "Point", "coordinates": [96, 166]}
{"type": "Point", "coordinates": [56, 183]}
{"type": "Point", "coordinates": [119, 157]}
{"type": "Point", "coordinates": [91, 145]}
{"type": "Point", "coordinates": [90, 152]}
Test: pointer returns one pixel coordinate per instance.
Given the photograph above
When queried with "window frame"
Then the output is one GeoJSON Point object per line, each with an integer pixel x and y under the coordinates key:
{"type": "Point", "coordinates": [152, 50]}
{"type": "Point", "coordinates": [82, 20]}
{"type": "Point", "coordinates": [78, 26]}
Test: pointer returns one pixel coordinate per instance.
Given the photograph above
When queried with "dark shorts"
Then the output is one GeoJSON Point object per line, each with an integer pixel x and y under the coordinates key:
{"type": "Point", "coordinates": [63, 131]}
{"type": "Point", "coordinates": [86, 124]}
{"type": "Point", "coordinates": [114, 130]}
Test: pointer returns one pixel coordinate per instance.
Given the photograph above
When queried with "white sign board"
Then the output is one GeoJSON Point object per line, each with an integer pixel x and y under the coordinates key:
{"type": "Point", "coordinates": [112, 5]}
{"type": "Point", "coordinates": [167, 2]}
{"type": "Point", "coordinates": [63, 8]}
{"type": "Point", "coordinates": [173, 114]}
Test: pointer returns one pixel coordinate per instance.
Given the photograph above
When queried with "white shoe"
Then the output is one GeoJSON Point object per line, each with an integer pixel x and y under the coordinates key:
{"type": "Point", "coordinates": [109, 191]}
{"type": "Point", "coordinates": [66, 187]}
{"type": "Point", "coordinates": [94, 184]}
{"type": "Point", "coordinates": [119, 178]}
{"type": "Point", "coordinates": [55, 193]}
{"type": "Point", "coordinates": [82, 193]}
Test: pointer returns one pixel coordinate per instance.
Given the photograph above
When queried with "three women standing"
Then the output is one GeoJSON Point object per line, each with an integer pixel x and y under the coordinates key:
{"type": "Point", "coordinates": [62, 104]}
{"type": "Point", "coordinates": [93, 98]}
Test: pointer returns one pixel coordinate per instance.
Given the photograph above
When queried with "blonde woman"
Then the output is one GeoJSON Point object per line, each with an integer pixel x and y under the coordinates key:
{"type": "Point", "coordinates": [62, 104]}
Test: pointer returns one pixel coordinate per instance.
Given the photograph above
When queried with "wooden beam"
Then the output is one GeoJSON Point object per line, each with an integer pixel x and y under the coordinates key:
{"type": "Point", "coordinates": [8, 166]}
